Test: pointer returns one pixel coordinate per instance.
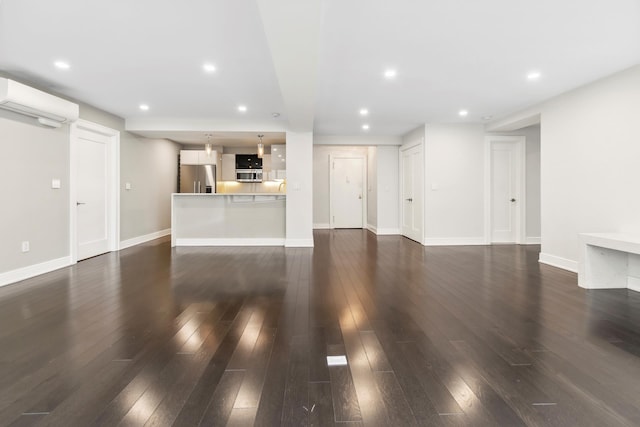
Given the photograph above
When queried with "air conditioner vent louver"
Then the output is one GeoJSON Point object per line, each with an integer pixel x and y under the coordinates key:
{"type": "Point", "coordinates": [32, 102]}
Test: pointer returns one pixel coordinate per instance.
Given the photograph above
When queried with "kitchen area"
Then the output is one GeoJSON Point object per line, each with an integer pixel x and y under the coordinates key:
{"type": "Point", "coordinates": [231, 192]}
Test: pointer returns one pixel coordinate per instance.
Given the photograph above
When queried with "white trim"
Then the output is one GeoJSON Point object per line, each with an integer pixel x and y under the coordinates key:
{"type": "Point", "coordinates": [633, 283]}
{"type": "Point", "coordinates": [521, 185]}
{"type": "Point", "coordinates": [533, 241]}
{"type": "Point", "coordinates": [114, 184]}
{"type": "Point", "coordinates": [556, 261]}
{"type": "Point", "coordinates": [389, 232]}
{"type": "Point", "coordinates": [365, 185]}
{"type": "Point", "coordinates": [299, 243]}
{"type": "Point", "coordinates": [230, 242]}
{"type": "Point", "coordinates": [30, 271]}
{"type": "Point", "coordinates": [321, 226]}
{"type": "Point", "coordinates": [383, 231]}
{"type": "Point", "coordinates": [454, 241]}
{"type": "Point", "coordinates": [124, 244]}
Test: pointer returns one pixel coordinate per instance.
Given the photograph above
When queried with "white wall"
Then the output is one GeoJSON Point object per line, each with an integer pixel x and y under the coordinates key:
{"type": "Point", "coordinates": [372, 188]}
{"type": "Point", "coordinates": [31, 210]}
{"type": "Point", "coordinates": [589, 164]}
{"type": "Point", "coordinates": [151, 167]}
{"type": "Point", "coordinates": [532, 165]}
{"type": "Point", "coordinates": [299, 189]}
{"type": "Point", "coordinates": [454, 184]}
{"type": "Point", "coordinates": [34, 155]}
{"type": "Point", "coordinates": [355, 140]}
{"type": "Point", "coordinates": [387, 193]}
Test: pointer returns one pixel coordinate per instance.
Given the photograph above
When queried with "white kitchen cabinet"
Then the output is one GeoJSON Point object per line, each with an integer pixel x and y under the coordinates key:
{"type": "Point", "coordinates": [189, 157]}
{"type": "Point", "coordinates": [266, 167]}
{"type": "Point", "coordinates": [198, 157]}
{"type": "Point", "coordinates": [228, 167]}
{"type": "Point", "coordinates": [278, 161]}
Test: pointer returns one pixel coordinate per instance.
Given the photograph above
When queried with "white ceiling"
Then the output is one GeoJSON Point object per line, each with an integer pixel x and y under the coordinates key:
{"type": "Point", "coordinates": [316, 62]}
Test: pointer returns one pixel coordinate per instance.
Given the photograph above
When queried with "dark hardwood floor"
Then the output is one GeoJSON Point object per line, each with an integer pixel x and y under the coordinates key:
{"type": "Point", "coordinates": [450, 336]}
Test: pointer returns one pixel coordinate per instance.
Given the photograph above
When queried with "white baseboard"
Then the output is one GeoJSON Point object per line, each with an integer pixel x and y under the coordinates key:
{"type": "Point", "coordinates": [556, 261]}
{"type": "Point", "coordinates": [533, 241]}
{"type": "Point", "coordinates": [143, 239]}
{"type": "Point", "coordinates": [383, 231]}
{"type": "Point", "coordinates": [231, 242]}
{"type": "Point", "coordinates": [388, 231]}
{"type": "Point", "coordinates": [33, 270]}
{"type": "Point", "coordinates": [299, 243]}
{"type": "Point", "coordinates": [454, 241]}
{"type": "Point", "coordinates": [321, 226]}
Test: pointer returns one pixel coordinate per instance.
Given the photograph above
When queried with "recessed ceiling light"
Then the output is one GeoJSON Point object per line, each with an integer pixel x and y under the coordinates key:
{"type": "Point", "coordinates": [487, 117]}
{"type": "Point", "coordinates": [275, 115]}
{"type": "Point", "coordinates": [365, 127]}
{"type": "Point", "coordinates": [144, 107]}
{"type": "Point", "coordinates": [390, 74]}
{"type": "Point", "coordinates": [364, 112]}
{"type": "Point", "coordinates": [463, 113]}
{"type": "Point", "coordinates": [275, 149]}
{"type": "Point", "coordinates": [242, 108]}
{"type": "Point", "coordinates": [534, 75]}
{"type": "Point", "coordinates": [209, 68]}
{"type": "Point", "coordinates": [62, 65]}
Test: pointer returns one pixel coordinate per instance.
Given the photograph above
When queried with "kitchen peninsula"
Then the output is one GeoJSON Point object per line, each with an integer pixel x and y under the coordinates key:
{"type": "Point", "coordinates": [228, 219]}
{"type": "Point", "coordinates": [229, 199]}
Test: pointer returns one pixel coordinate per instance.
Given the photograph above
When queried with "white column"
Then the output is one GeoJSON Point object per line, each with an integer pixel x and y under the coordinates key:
{"type": "Point", "coordinates": [299, 222]}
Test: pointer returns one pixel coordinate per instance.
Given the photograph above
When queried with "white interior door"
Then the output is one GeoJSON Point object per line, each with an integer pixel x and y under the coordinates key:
{"type": "Point", "coordinates": [411, 165]}
{"type": "Point", "coordinates": [347, 192]}
{"type": "Point", "coordinates": [92, 193]}
{"type": "Point", "coordinates": [504, 192]}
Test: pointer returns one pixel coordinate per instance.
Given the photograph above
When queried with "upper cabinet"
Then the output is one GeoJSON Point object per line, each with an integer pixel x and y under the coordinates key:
{"type": "Point", "coordinates": [278, 161]}
{"type": "Point", "coordinates": [198, 157]}
{"type": "Point", "coordinates": [228, 167]}
{"type": "Point", "coordinates": [278, 156]}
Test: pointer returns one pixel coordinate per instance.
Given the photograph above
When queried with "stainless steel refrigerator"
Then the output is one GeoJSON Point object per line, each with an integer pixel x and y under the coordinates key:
{"type": "Point", "coordinates": [197, 178]}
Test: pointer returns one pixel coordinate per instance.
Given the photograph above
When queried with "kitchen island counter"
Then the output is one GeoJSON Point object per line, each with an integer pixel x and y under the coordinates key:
{"type": "Point", "coordinates": [228, 219]}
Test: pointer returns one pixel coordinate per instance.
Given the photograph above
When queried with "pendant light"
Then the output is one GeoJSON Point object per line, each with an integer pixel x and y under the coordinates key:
{"type": "Point", "coordinates": [208, 147]}
{"type": "Point", "coordinates": [260, 147]}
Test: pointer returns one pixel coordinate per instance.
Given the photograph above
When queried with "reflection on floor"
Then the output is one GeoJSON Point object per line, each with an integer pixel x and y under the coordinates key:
{"type": "Point", "coordinates": [241, 336]}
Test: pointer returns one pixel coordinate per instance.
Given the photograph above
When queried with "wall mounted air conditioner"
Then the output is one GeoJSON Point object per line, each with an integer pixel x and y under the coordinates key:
{"type": "Point", "coordinates": [48, 109]}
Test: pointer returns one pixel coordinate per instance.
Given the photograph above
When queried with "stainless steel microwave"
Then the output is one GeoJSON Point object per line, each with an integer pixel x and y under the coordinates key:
{"type": "Point", "coordinates": [249, 175]}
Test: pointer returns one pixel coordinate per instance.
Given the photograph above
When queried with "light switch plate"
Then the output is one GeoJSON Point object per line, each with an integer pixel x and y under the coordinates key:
{"type": "Point", "coordinates": [127, 186]}
{"type": "Point", "coordinates": [55, 183]}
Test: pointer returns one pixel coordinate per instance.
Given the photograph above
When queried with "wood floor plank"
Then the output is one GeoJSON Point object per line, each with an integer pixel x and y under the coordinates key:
{"type": "Point", "coordinates": [221, 404]}
{"type": "Point", "coordinates": [445, 336]}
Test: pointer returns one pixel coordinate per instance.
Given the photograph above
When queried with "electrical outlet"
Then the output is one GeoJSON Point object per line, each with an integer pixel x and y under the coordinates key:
{"type": "Point", "coordinates": [55, 184]}
{"type": "Point", "coordinates": [25, 246]}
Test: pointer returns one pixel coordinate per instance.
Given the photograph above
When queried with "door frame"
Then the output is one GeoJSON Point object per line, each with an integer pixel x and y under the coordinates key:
{"type": "Point", "coordinates": [113, 211]}
{"type": "Point", "coordinates": [519, 142]}
{"type": "Point", "coordinates": [365, 185]}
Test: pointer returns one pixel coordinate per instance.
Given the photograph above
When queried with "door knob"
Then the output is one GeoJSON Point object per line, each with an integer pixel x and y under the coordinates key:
{"type": "Point", "coordinates": [513, 200]}
{"type": "Point", "coordinates": [409, 200]}
{"type": "Point", "coordinates": [80, 203]}
{"type": "Point", "coordinates": [360, 196]}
